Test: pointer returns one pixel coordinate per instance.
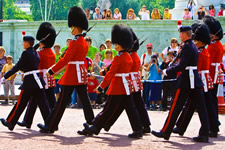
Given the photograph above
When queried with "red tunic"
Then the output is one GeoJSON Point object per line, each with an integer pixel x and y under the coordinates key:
{"type": "Point", "coordinates": [47, 59]}
{"type": "Point", "coordinates": [92, 85]}
{"type": "Point", "coordinates": [216, 54]}
{"type": "Point", "coordinates": [203, 69]}
{"type": "Point", "coordinates": [135, 72]}
{"type": "Point", "coordinates": [121, 65]}
{"type": "Point", "coordinates": [74, 61]}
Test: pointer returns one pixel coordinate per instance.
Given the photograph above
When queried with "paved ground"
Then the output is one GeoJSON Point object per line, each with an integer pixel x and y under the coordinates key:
{"type": "Point", "coordinates": [67, 138]}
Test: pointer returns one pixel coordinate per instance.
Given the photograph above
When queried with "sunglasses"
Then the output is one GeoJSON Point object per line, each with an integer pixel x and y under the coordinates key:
{"type": "Point", "coordinates": [174, 42]}
{"type": "Point", "coordinates": [149, 47]}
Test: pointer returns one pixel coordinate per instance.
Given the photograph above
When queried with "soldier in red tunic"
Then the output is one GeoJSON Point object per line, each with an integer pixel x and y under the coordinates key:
{"type": "Point", "coordinates": [75, 76]}
{"type": "Point", "coordinates": [216, 51]}
{"type": "Point", "coordinates": [120, 86]}
{"type": "Point", "coordinates": [47, 59]}
{"type": "Point", "coordinates": [201, 38]}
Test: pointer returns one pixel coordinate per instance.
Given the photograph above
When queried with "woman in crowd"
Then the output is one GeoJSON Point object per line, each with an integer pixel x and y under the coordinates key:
{"type": "Point", "coordinates": [104, 14]}
{"type": "Point", "coordinates": [172, 48]}
{"type": "Point", "coordinates": [155, 14]}
{"type": "Point", "coordinates": [108, 15]}
{"type": "Point", "coordinates": [167, 15]}
{"type": "Point", "coordinates": [212, 10]}
{"type": "Point", "coordinates": [130, 14]}
{"type": "Point", "coordinates": [187, 14]}
{"type": "Point", "coordinates": [102, 47]}
{"type": "Point", "coordinates": [117, 14]}
{"type": "Point", "coordinates": [108, 57]}
{"type": "Point", "coordinates": [88, 14]}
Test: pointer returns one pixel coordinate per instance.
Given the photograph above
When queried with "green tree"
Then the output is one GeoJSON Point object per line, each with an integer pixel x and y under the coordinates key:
{"type": "Point", "coordinates": [11, 11]}
{"type": "Point", "coordinates": [89, 4]}
{"type": "Point", "coordinates": [59, 9]}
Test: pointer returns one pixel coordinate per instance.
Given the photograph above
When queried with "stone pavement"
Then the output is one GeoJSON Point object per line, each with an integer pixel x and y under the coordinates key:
{"type": "Point", "coordinates": [67, 137]}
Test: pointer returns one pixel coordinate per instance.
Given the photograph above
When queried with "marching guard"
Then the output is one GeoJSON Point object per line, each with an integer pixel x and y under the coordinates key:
{"type": "Point", "coordinates": [75, 76]}
{"type": "Point", "coordinates": [47, 59]}
{"type": "Point", "coordinates": [189, 85]}
{"type": "Point", "coordinates": [32, 87]}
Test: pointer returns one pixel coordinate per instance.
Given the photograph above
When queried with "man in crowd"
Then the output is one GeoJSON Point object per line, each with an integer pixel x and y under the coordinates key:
{"type": "Point", "coordinates": [97, 15]}
{"type": "Point", "coordinates": [68, 40]}
{"type": "Point", "coordinates": [91, 49]}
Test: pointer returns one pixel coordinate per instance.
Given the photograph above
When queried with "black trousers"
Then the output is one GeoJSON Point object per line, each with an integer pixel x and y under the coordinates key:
{"type": "Point", "coordinates": [32, 106]}
{"type": "Point", "coordinates": [196, 96]}
{"type": "Point", "coordinates": [24, 97]}
{"type": "Point", "coordinates": [188, 111]}
{"type": "Point", "coordinates": [168, 89]}
{"type": "Point", "coordinates": [64, 97]}
{"type": "Point", "coordinates": [214, 99]}
{"type": "Point", "coordinates": [140, 106]}
{"type": "Point", "coordinates": [115, 105]}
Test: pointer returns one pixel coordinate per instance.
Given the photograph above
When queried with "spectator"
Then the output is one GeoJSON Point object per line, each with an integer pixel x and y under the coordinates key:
{"type": "Point", "coordinates": [191, 4]}
{"type": "Point", "coordinates": [187, 14]}
{"type": "Point", "coordinates": [108, 44]}
{"type": "Point", "coordinates": [168, 86]}
{"type": "Point", "coordinates": [212, 10]}
{"type": "Point", "coordinates": [108, 14]}
{"type": "Point", "coordinates": [167, 15]}
{"type": "Point", "coordinates": [201, 12]}
{"type": "Point", "coordinates": [97, 65]}
{"type": "Point", "coordinates": [155, 14]}
{"type": "Point", "coordinates": [57, 89]}
{"type": "Point", "coordinates": [102, 47]}
{"type": "Point", "coordinates": [144, 13]}
{"type": "Point", "coordinates": [2, 57]}
{"type": "Point", "coordinates": [155, 76]}
{"type": "Point", "coordinates": [108, 57]}
{"type": "Point", "coordinates": [222, 8]}
{"type": "Point", "coordinates": [172, 48]}
{"type": "Point", "coordinates": [145, 60]}
{"type": "Point", "coordinates": [88, 14]}
{"type": "Point", "coordinates": [104, 14]}
{"type": "Point", "coordinates": [9, 83]}
{"type": "Point", "coordinates": [117, 14]}
{"type": "Point", "coordinates": [68, 40]}
{"type": "Point", "coordinates": [130, 14]}
{"type": "Point", "coordinates": [91, 49]}
{"type": "Point", "coordinates": [92, 85]}
{"type": "Point", "coordinates": [97, 15]}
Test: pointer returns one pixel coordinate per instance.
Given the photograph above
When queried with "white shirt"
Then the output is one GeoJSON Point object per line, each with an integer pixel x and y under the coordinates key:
{"type": "Point", "coordinates": [147, 59]}
{"type": "Point", "coordinates": [145, 16]}
{"type": "Point", "coordinates": [165, 51]}
{"type": "Point", "coordinates": [116, 16]}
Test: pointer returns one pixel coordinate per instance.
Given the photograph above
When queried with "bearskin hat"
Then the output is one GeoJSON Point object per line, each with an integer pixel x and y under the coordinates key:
{"type": "Point", "coordinates": [122, 35]}
{"type": "Point", "coordinates": [77, 18]}
{"type": "Point", "coordinates": [135, 42]}
{"type": "Point", "coordinates": [201, 33]}
{"type": "Point", "coordinates": [214, 26]}
{"type": "Point", "coordinates": [44, 29]}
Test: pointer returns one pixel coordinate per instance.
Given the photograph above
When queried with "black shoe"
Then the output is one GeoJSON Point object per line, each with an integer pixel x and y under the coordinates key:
{"type": "Point", "coordinates": [6, 102]}
{"type": "Point", "coordinates": [7, 124]}
{"type": "Point", "coordinates": [45, 129]}
{"type": "Point", "coordinates": [24, 124]}
{"type": "Point", "coordinates": [213, 134]}
{"type": "Point", "coordinates": [136, 135]}
{"type": "Point", "coordinates": [91, 129]}
{"type": "Point", "coordinates": [203, 139]}
{"type": "Point", "coordinates": [106, 128]}
{"type": "Point", "coordinates": [160, 135]}
{"type": "Point", "coordinates": [177, 131]}
{"type": "Point", "coordinates": [146, 130]}
{"type": "Point", "coordinates": [84, 132]}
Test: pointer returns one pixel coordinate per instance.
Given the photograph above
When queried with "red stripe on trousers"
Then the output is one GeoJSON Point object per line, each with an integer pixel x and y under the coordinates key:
{"type": "Point", "coordinates": [171, 110]}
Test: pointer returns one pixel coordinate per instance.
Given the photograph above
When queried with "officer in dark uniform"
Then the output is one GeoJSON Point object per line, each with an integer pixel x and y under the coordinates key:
{"type": "Point", "coordinates": [189, 85]}
{"type": "Point", "coordinates": [33, 84]}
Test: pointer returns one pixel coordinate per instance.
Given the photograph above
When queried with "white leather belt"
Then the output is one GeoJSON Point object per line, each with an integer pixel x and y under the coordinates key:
{"type": "Point", "coordinates": [203, 72]}
{"type": "Point", "coordinates": [191, 75]}
{"type": "Point", "coordinates": [34, 73]}
{"type": "Point", "coordinates": [134, 80]}
{"type": "Point", "coordinates": [77, 63]}
{"type": "Point", "coordinates": [125, 82]}
{"type": "Point", "coordinates": [45, 77]}
{"type": "Point", "coordinates": [216, 70]}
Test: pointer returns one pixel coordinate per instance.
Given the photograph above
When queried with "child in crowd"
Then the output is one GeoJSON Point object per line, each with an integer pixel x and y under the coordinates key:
{"type": "Point", "coordinates": [108, 57]}
{"type": "Point", "coordinates": [92, 85]}
{"type": "Point", "coordinates": [155, 76]}
{"type": "Point", "coordinates": [9, 83]}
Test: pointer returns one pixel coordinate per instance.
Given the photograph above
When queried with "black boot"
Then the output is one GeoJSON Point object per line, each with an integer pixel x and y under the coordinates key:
{"type": "Point", "coordinates": [7, 124]}
{"type": "Point", "coordinates": [24, 124]}
{"type": "Point", "coordinates": [45, 129]}
{"type": "Point", "coordinates": [84, 132]}
{"type": "Point", "coordinates": [160, 135]}
{"type": "Point", "coordinates": [213, 134]}
{"type": "Point", "coordinates": [177, 131]}
{"type": "Point", "coordinates": [146, 130]}
{"type": "Point", "coordinates": [202, 139]}
{"type": "Point", "coordinates": [136, 134]}
{"type": "Point", "coordinates": [91, 129]}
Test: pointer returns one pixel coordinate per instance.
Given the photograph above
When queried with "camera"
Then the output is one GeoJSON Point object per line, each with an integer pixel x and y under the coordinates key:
{"type": "Point", "coordinates": [154, 58]}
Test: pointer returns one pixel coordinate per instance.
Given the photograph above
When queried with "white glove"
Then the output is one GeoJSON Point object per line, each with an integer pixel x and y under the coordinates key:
{"type": "Point", "coordinates": [2, 79]}
{"type": "Point", "coordinates": [164, 72]}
